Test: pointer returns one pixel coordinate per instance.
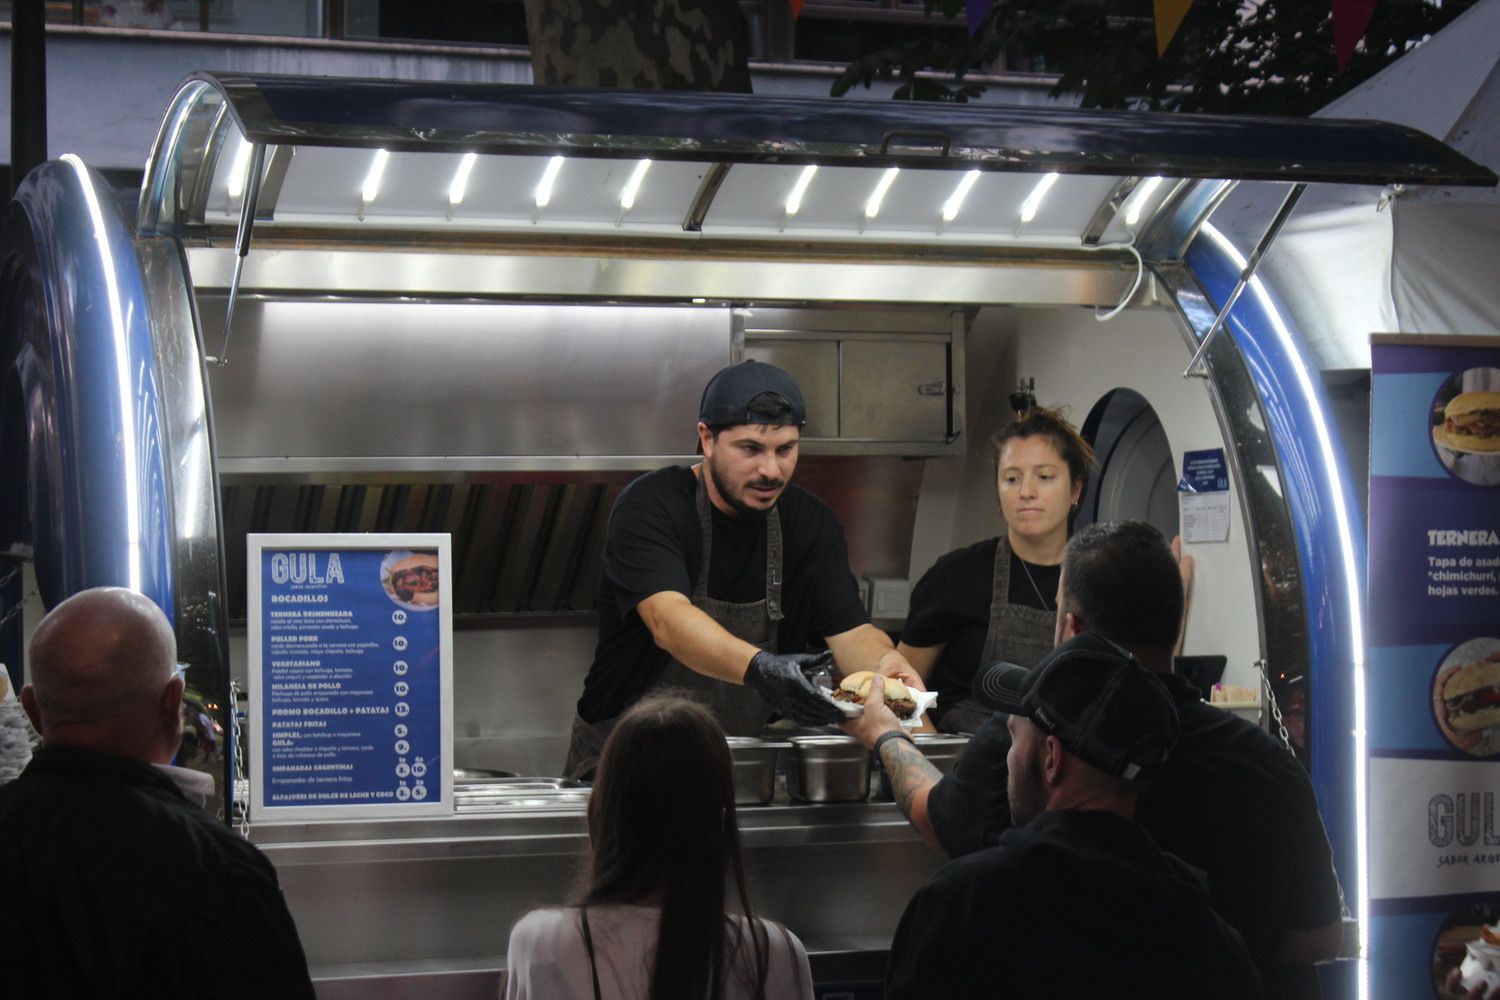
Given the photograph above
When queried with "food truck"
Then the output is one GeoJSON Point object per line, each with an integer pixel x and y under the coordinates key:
{"type": "Point", "coordinates": [348, 308]}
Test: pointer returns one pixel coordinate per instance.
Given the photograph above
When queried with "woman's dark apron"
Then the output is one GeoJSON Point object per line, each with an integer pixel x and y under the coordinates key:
{"type": "Point", "coordinates": [739, 709]}
{"type": "Point", "coordinates": [1016, 634]}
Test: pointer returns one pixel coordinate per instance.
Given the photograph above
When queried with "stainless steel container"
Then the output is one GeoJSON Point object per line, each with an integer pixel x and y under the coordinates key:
{"type": "Point", "coordinates": [941, 749]}
{"type": "Point", "coordinates": [827, 769]}
{"type": "Point", "coordinates": [520, 793]}
{"type": "Point", "coordinates": [754, 769]}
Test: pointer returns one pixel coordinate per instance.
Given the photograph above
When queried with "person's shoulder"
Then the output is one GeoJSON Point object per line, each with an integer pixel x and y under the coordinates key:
{"type": "Point", "coordinates": [992, 736]}
{"type": "Point", "coordinates": [795, 501]}
{"type": "Point", "coordinates": [778, 934]}
{"type": "Point", "coordinates": [978, 874]}
{"type": "Point", "coordinates": [963, 564]}
{"type": "Point", "coordinates": [1218, 734]}
{"type": "Point", "coordinates": [981, 551]}
{"type": "Point", "coordinates": [670, 483]}
{"type": "Point", "coordinates": [545, 925]}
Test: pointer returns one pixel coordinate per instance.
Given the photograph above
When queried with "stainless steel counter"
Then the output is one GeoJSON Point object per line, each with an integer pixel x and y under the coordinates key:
{"type": "Point", "coordinates": [387, 905]}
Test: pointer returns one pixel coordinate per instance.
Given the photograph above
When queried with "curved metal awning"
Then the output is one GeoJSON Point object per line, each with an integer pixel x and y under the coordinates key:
{"type": "Point", "coordinates": [375, 162]}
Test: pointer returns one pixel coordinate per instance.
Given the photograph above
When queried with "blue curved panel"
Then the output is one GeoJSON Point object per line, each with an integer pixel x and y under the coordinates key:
{"type": "Point", "coordinates": [101, 512]}
{"type": "Point", "coordinates": [1329, 529]}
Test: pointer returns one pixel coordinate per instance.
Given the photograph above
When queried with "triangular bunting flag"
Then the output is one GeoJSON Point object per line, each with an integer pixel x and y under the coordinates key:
{"type": "Point", "coordinates": [1169, 15]}
{"type": "Point", "coordinates": [1350, 19]}
{"type": "Point", "coordinates": [796, 8]}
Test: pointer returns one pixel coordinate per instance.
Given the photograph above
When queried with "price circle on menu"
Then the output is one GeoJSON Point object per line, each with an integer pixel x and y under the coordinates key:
{"type": "Point", "coordinates": [350, 640]}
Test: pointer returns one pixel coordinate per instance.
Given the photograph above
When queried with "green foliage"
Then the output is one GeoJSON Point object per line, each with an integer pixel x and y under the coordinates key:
{"type": "Point", "coordinates": [1228, 56]}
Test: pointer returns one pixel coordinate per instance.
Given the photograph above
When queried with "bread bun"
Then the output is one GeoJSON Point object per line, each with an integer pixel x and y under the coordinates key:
{"type": "Point", "coordinates": [1471, 422]}
{"type": "Point", "coordinates": [856, 688]}
{"type": "Point", "coordinates": [1472, 677]}
{"type": "Point", "coordinates": [1471, 696]}
{"type": "Point", "coordinates": [414, 580]}
{"type": "Point", "coordinates": [1471, 402]}
{"type": "Point", "coordinates": [859, 683]}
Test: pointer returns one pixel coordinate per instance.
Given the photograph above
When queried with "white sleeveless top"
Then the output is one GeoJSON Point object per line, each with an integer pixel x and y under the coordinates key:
{"type": "Point", "coordinates": [547, 959]}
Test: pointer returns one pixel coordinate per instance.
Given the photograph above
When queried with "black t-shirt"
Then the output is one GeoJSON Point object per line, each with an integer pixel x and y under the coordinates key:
{"type": "Point", "coordinates": [1072, 904]}
{"type": "Point", "coordinates": [1230, 800]}
{"type": "Point", "coordinates": [116, 886]}
{"type": "Point", "coordinates": [951, 604]}
{"type": "Point", "coordinates": [654, 544]}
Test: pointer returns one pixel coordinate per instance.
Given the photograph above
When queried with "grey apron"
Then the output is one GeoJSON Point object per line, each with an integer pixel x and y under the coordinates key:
{"type": "Point", "coordinates": [1016, 634]}
{"type": "Point", "coordinates": [739, 709]}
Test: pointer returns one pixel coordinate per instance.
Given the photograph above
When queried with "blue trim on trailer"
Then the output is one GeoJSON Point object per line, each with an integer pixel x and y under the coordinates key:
{"type": "Point", "coordinates": [1310, 495]}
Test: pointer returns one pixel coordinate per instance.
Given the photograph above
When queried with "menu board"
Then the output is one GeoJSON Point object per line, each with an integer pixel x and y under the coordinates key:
{"type": "Point", "coordinates": [350, 650]}
{"type": "Point", "coordinates": [1433, 703]}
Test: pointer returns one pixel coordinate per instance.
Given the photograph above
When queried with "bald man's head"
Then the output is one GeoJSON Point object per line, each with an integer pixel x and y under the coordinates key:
{"type": "Point", "coordinates": [102, 676]}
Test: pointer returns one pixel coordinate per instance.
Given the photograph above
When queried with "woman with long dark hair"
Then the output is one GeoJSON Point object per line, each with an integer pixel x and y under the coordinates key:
{"type": "Point", "coordinates": [651, 920]}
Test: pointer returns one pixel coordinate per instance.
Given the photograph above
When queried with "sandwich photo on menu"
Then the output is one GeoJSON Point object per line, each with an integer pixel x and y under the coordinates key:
{"type": "Point", "coordinates": [1471, 423]}
{"type": "Point", "coordinates": [1466, 697]}
{"type": "Point", "coordinates": [411, 579]}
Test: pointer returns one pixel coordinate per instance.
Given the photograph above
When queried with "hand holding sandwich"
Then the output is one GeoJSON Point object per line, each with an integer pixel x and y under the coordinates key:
{"type": "Point", "coordinates": [912, 774]}
{"type": "Point", "coordinates": [782, 680]}
{"type": "Point", "coordinates": [877, 718]}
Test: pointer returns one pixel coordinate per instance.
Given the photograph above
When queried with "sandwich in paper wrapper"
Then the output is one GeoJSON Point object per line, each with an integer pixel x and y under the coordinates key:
{"type": "Point", "coordinates": [909, 704]}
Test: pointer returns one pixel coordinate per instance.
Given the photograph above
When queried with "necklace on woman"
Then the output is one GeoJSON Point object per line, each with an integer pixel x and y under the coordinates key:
{"type": "Point", "coordinates": [1034, 588]}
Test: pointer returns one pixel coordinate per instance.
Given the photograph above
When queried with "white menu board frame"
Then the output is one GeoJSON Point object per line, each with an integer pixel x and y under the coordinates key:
{"type": "Point", "coordinates": [308, 568]}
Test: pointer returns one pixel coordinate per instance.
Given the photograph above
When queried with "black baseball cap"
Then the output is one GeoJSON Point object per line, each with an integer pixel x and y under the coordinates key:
{"type": "Point", "coordinates": [1096, 698]}
{"type": "Point", "coordinates": [728, 395]}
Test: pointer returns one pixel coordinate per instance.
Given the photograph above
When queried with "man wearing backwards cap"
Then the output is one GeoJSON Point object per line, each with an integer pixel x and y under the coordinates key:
{"type": "Point", "coordinates": [1231, 801]}
{"type": "Point", "coordinates": [1076, 898]}
{"type": "Point", "coordinates": [717, 578]}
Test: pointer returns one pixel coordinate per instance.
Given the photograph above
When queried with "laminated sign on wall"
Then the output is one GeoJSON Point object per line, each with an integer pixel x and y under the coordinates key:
{"type": "Point", "coordinates": [351, 675]}
{"type": "Point", "coordinates": [1203, 492]}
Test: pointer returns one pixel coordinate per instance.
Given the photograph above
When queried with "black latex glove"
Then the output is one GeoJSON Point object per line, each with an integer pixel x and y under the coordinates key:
{"type": "Point", "coordinates": [781, 679]}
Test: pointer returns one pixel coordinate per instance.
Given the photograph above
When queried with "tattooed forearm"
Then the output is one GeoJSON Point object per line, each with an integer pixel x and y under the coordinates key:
{"type": "Point", "coordinates": [910, 772]}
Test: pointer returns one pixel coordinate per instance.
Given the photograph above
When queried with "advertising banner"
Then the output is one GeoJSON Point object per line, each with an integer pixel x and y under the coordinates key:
{"type": "Point", "coordinates": [351, 701]}
{"type": "Point", "coordinates": [1433, 680]}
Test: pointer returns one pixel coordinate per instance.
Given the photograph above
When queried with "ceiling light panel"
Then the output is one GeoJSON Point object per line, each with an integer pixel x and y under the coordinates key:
{"type": "Point", "coordinates": [322, 188]}
{"type": "Point", "coordinates": [1144, 202]}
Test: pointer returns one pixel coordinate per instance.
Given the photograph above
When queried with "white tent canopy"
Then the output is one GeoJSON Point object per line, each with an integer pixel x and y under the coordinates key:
{"type": "Point", "coordinates": [1429, 261]}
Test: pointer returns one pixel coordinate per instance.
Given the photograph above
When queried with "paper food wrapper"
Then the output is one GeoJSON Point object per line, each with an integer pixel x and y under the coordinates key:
{"type": "Point", "coordinates": [924, 700]}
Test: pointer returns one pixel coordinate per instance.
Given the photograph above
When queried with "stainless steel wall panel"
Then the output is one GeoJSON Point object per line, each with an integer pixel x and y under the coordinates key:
{"type": "Point", "coordinates": [376, 381]}
{"type": "Point", "coordinates": [894, 391]}
{"type": "Point", "coordinates": [815, 365]}
{"type": "Point", "coordinates": [682, 270]}
{"type": "Point", "coordinates": [447, 890]}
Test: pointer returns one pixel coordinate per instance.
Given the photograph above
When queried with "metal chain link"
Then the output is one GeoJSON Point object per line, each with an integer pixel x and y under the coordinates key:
{"type": "Point", "coordinates": [1281, 730]}
{"type": "Point", "coordinates": [1286, 741]}
{"type": "Point", "coordinates": [239, 759]}
{"type": "Point", "coordinates": [14, 610]}
{"type": "Point", "coordinates": [7, 578]}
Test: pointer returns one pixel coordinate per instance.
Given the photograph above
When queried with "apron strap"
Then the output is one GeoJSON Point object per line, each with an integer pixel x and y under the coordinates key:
{"type": "Point", "coordinates": [588, 944]}
{"type": "Point", "coordinates": [775, 552]}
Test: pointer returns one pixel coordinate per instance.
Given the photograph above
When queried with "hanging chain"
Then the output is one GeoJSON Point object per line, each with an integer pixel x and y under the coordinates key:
{"type": "Point", "coordinates": [241, 791]}
{"type": "Point", "coordinates": [1281, 730]}
{"type": "Point", "coordinates": [1286, 741]}
{"type": "Point", "coordinates": [11, 612]}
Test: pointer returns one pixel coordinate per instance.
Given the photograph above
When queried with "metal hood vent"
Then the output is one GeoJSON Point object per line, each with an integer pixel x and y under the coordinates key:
{"type": "Point", "coordinates": [523, 546]}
